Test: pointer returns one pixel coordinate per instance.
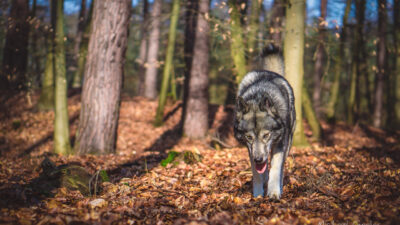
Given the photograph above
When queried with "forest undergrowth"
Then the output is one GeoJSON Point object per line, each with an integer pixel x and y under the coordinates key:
{"type": "Point", "coordinates": [354, 177]}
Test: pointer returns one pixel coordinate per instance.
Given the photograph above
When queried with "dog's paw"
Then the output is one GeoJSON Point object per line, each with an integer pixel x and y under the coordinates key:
{"type": "Point", "coordinates": [274, 194]}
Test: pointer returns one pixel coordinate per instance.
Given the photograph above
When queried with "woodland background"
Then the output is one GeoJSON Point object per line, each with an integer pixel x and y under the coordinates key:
{"type": "Point", "coordinates": [121, 111]}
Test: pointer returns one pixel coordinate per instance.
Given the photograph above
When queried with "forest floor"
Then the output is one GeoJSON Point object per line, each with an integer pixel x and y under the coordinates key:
{"type": "Point", "coordinates": [353, 178]}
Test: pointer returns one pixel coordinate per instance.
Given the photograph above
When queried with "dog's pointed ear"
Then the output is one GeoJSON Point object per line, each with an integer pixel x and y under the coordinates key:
{"type": "Point", "coordinates": [266, 105]}
{"type": "Point", "coordinates": [241, 105]}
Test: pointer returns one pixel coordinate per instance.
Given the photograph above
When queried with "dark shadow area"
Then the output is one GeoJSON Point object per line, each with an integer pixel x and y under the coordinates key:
{"type": "Point", "coordinates": [47, 138]}
{"type": "Point", "coordinates": [379, 136]}
{"type": "Point", "coordinates": [15, 195]}
{"type": "Point", "coordinates": [226, 127]}
{"type": "Point", "coordinates": [212, 112]}
{"type": "Point", "coordinates": [143, 164]}
{"type": "Point", "coordinates": [172, 112]}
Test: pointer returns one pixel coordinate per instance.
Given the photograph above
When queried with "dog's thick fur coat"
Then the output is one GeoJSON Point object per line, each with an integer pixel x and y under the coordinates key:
{"type": "Point", "coordinates": [265, 120]}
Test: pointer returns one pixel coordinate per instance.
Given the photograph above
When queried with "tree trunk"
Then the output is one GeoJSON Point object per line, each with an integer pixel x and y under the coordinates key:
{"type": "Point", "coordinates": [46, 100]}
{"type": "Point", "coordinates": [319, 59]}
{"type": "Point", "coordinates": [143, 48]}
{"type": "Point", "coordinates": [353, 86]}
{"type": "Point", "coordinates": [152, 64]}
{"type": "Point", "coordinates": [101, 92]}
{"type": "Point", "coordinates": [83, 48]}
{"type": "Point", "coordinates": [35, 55]}
{"type": "Point", "coordinates": [80, 29]}
{"type": "Point", "coordinates": [253, 28]}
{"type": "Point", "coordinates": [168, 63]}
{"type": "Point", "coordinates": [196, 120]}
{"type": "Point", "coordinates": [190, 31]}
{"type": "Point", "coordinates": [15, 52]}
{"type": "Point", "coordinates": [381, 61]}
{"type": "Point", "coordinates": [334, 92]}
{"type": "Point", "coordinates": [363, 95]}
{"type": "Point", "coordinates": [358, 65]}
{"type": "Point", "coordinates": [61, 122]}
{"type": "Point", "coordinates": [237, 45]}
{"type": "Point", "coordinates": [311, 116]}
{"type": "Point", "coordinates": [278, 15]}
{"type": "Point", "coordinates": [294, 57]}
{"type": "Point", "coordinates": [396, 17]}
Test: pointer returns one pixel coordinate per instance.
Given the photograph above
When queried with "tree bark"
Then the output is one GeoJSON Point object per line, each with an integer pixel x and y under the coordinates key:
{"type": "Point", "coordinates": [196, 120]}
{"type": "Point", "coordinates": [311, 116]}
{"type": "Point", "coordinates": [381, 61]}
{"type": "Point", "coordinates": [334, 92]}
{"type": "Point", "coordinates": [237, 44]}
{"type": "Point", "coordinates": [294, 58]}
{"type": "Point", "coordinates": [190, 31]}
{"type": "Point", "coordinates": [152, 64]}
{"type": "Point", "coordinates": [143, 48]}
{"type": "Point", "coordinates": [101, 92]}
{"type": "Point", "coordinates": [15, 52]}
{"type": "Point", "coordinates": [46, 100]}
{"type": "Point", "coordinates": [319, 59]}
{"type": "Point", "coordinates": [168, 63]}
{"type": "Point", "coordinates": [61, 122]}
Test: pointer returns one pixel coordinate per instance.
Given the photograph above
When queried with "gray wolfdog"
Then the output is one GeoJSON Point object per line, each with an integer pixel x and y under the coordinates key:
{"type": "Point", "coordinates": [265, 120]}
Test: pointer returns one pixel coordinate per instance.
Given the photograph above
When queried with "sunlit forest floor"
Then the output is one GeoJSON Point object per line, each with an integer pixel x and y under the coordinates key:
{"type": "Point", "coordinates": [353, 177]}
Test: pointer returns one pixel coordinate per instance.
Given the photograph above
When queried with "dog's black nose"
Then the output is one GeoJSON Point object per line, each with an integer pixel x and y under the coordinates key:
{"type": "Point", "coordinates": [258, 160]}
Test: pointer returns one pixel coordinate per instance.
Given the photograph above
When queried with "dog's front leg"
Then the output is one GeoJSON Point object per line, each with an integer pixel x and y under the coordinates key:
{"type": "Point", "coordinates": [276, 174]}
{"type": "Point", "coordinates": [258, 180]}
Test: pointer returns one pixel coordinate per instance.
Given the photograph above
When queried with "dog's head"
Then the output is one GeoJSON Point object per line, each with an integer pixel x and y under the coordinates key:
{"type": "Point", "coordinates": [259, 127]}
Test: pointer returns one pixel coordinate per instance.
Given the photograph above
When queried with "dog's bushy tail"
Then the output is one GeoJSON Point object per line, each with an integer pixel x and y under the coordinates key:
{"type": "Point", "coordinates": [272, 59]}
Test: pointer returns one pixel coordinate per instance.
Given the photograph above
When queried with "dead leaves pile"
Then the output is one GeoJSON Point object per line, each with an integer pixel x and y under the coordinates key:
{"type": "Point", "coordinates": [355, 180]}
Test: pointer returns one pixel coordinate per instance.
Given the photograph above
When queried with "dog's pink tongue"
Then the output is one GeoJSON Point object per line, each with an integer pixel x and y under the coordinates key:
{"type": "Point", "coordinates": [261, 167]}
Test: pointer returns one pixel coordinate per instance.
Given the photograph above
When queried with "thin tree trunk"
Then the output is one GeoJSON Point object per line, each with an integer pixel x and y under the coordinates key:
{"type": "Point", "coordinates": [15, 51]}
{"type": "Point", "coordinates": [277, 18]}
{"type": "Point", "coordinates": [294, 58]}
{"type": "Point", "coordinates": [253, 28]}
{"type": "Point", "coordinates": [353, 86]}
{"type": "Point", "coordinates": [319, 59]}
{"type": "Point", "coordinates": [83, 48]}
{"type": "Point", "coordinates": [152, 64]}
{"type": "Point", "coordinates": [237, 45]}
{"type": "Point", "coordinates": [61, 122]}
{"type": "Point", "coordinates": [396, 17]}
{"type": "Point", "coordinates": [363, 95]}
{"type": "Point", "coordinates": [358, 65]}
{"type": "Point", "coordinates": [168, 62]}
{"type": "Point", "coordinates": [381, 61]}
{"type": "Point", "coordinates": [190, 31]}
{"type": "Point", "coordinates": [101, 92]}
{"type": "Point", "coordinates": [46, 100]}
{"type": "Point", "coordinates": [196, 123]}
{"type": "Point", "coordinates": [80, 29]}
{"type": "Point", "coordinates": [310, 115]}
{"type": "Point", "coordinates": [35, 52]}
{"type": "Point", "coordinates": [334, 92]}
{"type": "Point", "coordinates": [143, 48]}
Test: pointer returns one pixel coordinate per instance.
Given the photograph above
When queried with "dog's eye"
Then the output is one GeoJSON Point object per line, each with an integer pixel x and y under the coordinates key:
{"type": "Point", "coordinates": [249, 138]}
{"type": "Point", "coordinates": [266, 136]}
